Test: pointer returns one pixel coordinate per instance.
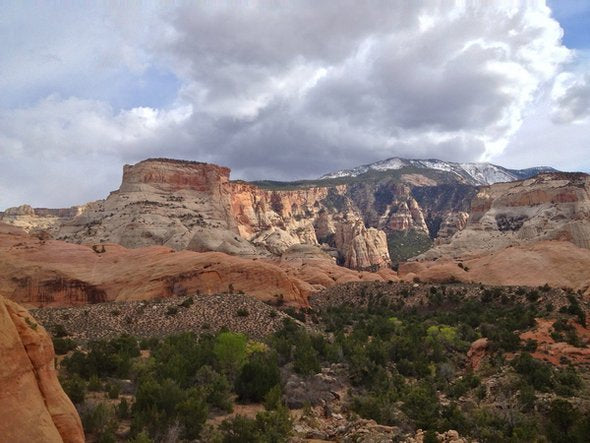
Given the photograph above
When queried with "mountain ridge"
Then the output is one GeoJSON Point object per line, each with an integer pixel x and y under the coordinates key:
{"type": "Point", "coordinates": [474, 173]}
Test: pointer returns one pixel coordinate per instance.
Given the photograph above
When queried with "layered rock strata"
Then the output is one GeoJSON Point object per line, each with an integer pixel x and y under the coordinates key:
{"type": "Point", "coordinates": [195, 206]}
{"type": "Point", "coordinates": [553, 206]}
{"type": "Point", "coordinates": [191, 205]}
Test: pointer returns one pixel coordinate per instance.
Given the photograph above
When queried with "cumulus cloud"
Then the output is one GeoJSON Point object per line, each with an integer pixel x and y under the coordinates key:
{"type": "Point", "coordinates": [65, 151]}
{"type": "Point", "coordinates": [350, 84]}
{"type": "Point", "coordinates": [274, 90]}
{"type": "Point", "coordinates": [542, 141]}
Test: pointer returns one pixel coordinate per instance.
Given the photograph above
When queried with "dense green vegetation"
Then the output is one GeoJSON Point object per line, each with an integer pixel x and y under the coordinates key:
{"type": "Point", "coordinates": [405, 365]}
{"type": "Point", "coordinates": [184, 380]}
{"type": "Point", "coordinates": [403, 245]}
{"type": "Point", "coordinates": [409, 358]}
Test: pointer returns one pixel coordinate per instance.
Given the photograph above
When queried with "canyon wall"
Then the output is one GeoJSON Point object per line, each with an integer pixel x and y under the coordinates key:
{"type": "Point", "coordinates": [362, 224]}
{"type": "Point", "coordinates": [191, 205]}
{"type": "Point", "coordinates": [552, 206]}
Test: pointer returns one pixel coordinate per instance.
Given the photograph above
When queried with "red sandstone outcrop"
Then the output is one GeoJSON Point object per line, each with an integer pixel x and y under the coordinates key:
{"type": "Point", "coordinates": [191, 205]}
{"type": "Point", "coordinates": [477, 352]}
{"type": "Point", "coordinates": [553, 352]}
{"type": "Point", "coordinates": [33, 406]}
{"type": "Point", "coordinates": [38, 272]}
{"type": "Point", "coordinates": [170, 176]}
{"type": "Point", "coordinates": [557, 263]}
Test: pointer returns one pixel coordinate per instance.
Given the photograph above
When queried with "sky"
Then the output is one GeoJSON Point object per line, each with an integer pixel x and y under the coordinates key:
{"type": "Point", "coordinates": [284, 89]}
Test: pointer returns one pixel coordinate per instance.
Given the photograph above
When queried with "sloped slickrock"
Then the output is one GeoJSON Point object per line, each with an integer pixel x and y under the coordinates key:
{"type": "Point", "coordinates": [40, 272]}
{"type": "Point", "coordinates": [557, 263]}
{"type": "Point", "coordinates": [553, 351]}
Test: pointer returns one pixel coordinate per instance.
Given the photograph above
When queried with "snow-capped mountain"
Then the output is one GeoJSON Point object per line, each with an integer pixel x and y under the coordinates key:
{"type": "Point", "coordinates": [471, 173]}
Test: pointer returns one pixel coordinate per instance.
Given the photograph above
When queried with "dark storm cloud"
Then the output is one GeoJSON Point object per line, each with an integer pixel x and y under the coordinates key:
{"type": "Point", "coordinates": [300, 90]}
{"type": "Point", "coordinates": [273, 90]}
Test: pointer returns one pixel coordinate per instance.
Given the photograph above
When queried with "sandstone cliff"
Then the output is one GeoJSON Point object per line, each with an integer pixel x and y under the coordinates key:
{"type": "Point", "coordinates": [33, 406]}
{"type": "Point", "coordinates": [39, 219]}
{"type": "Point", "coordinates": [553, 206]}
{"type": "Point", "coordinates": [191, 205]}
{"type": "Point", "coordinates": [361, 223]}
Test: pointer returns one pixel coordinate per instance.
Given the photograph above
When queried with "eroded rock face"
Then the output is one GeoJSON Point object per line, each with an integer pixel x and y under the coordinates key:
{"type": "Point", "coordinates": [55, 273]}
{"type": "Point", "coordinates": [190, 205]}
{"type": "Point", "coordinates": [557, 263]}
{"type": "Point", "coordinates": [39, 219]}
{"type": "Point", "coordinates": [477, 352]}
{"type": "Point", "coordinates": [553, 206]}
{"type": "Point", "coordinates": [33, 405]}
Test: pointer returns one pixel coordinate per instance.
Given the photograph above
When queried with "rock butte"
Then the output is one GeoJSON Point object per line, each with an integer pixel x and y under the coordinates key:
{"type": "Point", "coordinates": [33, 406]}
{"type": "Point", "coordinates": [277, 238]}
{"type": "Point", "coordinates": [39, 272]}
{"type": "Point", "coordinates": [191, 205]}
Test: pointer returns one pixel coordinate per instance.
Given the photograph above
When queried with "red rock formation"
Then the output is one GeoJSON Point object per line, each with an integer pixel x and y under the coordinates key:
{"type": "Point", "coordinates": [557, 263]}
{"type": "Point", "coordinates": [174, 175]}
{"type": "Point", "coordinates": [552, 206]}
{"type": "Point", "coordinates": [33, 406]}
{"type": "Point", "coordinates": [551, 351]}
{"type": "Point", "coordinates": [477, 352]}
{"type": "Point", "coordinates": [50, 272]}
{"type": "Point", "coordinates": [190, 205]}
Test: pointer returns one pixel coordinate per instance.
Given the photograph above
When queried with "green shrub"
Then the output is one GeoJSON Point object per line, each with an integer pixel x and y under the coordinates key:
{"type": "Point", "coordinates": [273, 398]}
{"type": "Point", "coordinates": [305, 358]}
{"type": "Point", "coordinates": [113, 391]}
{"type": "Point", "coordinates": [242, 312]}
{"type": "Point", "coordinates": [187, 303]}
{"type": "Point", "coordinates": [99, 420]}
{"type": "Point", "coordinates": [217, 388]}
{"type": "Point", "coordinates": [60, 331]}
{"type": "Point", "coordinates": [275, 425]}
{"type": "Point", "coordinates": [75, 388]}
{"type": "Point", "coordinates": [94, 384]}
{"type": "Point", "coordinates": [104, 359]}
{"type": "Point", "coordinates": [230, 351]}
{"type": "Point", "coordinates": [63, 345]}
{"type": "Point", "coordinates": [142, 437]}
{"type": "Point", "coordinates": [240, 429]}
{"type": "Point", "coordinates": [257, 377]}
{"type": "Point", "coordinates": [535, 372]}
{"type": "Point", "coordinates": [123, 411]}
{"type": "Point", "coordinates": [269, 426]}
{"type": "Point", "coordinates": [171, 311]}
{"type": "Point", "coordinates": [192, 413]}
{"type": "Point", "coordinates": [421, 405]}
